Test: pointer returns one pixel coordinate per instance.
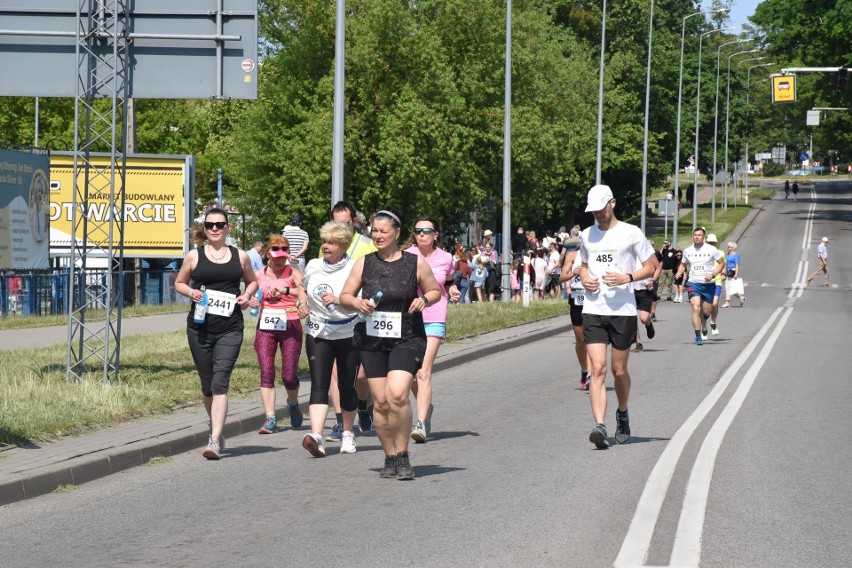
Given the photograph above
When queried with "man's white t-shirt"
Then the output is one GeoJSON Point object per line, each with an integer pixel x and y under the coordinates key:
{"type": "Point", "coordinates": [701, 262]}
{"type": "Point", "coordinates": [616, 250]}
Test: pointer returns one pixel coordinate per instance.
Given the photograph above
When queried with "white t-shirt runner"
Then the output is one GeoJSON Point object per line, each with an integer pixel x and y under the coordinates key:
{"type": "Point", "coordinates": [701, 262]}
{"type": "Point", "coordinates": [616, 250]}
{"type": "Point", "coordinates": [322, 322]}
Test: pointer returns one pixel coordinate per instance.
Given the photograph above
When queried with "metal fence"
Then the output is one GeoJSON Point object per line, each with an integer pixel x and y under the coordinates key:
{"type": "Point", "coordinates": [46, 293]}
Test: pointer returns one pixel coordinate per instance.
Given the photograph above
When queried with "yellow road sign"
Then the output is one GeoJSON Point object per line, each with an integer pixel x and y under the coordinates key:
{"type": "Point", "coordinates": [783, 88]}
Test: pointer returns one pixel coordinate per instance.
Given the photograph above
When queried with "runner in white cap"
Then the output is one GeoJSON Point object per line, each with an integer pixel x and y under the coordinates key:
{"type": "Point", "coordinates": [610, 254]}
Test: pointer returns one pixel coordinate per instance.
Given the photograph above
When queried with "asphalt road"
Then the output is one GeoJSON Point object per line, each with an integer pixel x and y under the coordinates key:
{"type": "Point", "coordinates": [738, 457]}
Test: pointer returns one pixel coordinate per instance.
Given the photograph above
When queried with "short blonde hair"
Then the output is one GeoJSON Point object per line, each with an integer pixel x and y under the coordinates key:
{"type": "Point", "coordinates": [337, 233]}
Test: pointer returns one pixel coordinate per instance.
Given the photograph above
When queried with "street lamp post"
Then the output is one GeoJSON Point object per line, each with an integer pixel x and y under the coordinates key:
{"type": "Point", "coordinates": [600, 96]}
{"type": "Point", "coordinates": [748, 84]}
{"type": "Point", "coordinates": [679, 101]}
{"type": "Point", "coordinates": [339, 81]}
{"type": "Point", "coordinates": [697, 115]}
{"type": "Point", "coordinates": [647, 104]}
{"type": "Point", "coordinates": [735, 181]}
{"type": "Point", "coordinates": [727, 116]}
{"type": "Point", "coordinates": [716, 126]}
{"type": "Point", "coordinates": [507, 162]}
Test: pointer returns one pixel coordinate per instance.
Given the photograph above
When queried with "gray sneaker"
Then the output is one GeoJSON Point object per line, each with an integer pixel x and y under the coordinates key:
{"type": "Point", "coordinates": [598, 437]}
{"type": "Point", "coordinates": [211, 452]}
{"type": "Point", "coordinates": [622, 428]}
{"type": "Point", "coordinates": [418, 432]}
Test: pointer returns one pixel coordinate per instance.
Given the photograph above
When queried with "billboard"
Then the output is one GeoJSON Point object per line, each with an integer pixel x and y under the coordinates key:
{"type": "Point", "coordinates": [24, 221]}
{"type": "Point", "coordinates": [158, 210]}
{"type": "Point", "coordinates": [783, 88]}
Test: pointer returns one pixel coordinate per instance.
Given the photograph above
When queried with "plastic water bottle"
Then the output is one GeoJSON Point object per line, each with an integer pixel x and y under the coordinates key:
{"type": "Point", "coordinates": [375, 301]}
{"type": "Point", "coordinates": [259, 296]}
{"type": "Point", "coordinates": [201, 307]}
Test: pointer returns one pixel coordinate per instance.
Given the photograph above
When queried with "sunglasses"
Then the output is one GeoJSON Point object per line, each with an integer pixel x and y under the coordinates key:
{"type": "Point", "coordinates": [217, 224]}
{"type": "Point", "coordinates": [276, 248]}
{"type": "Point", "coordinates": [423, 231]}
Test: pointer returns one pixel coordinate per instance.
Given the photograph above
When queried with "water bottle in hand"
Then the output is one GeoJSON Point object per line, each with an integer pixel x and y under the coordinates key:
{"type": "Point", "coordinates": [374, 301]}
{"type": "Point", "coordinates": [201, 307]}
{"type": "Point", "coordinates": [259, 297]}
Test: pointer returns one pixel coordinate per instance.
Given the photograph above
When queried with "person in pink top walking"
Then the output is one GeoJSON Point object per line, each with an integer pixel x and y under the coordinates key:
{"type": "Point", "coordinates": [425, 239]}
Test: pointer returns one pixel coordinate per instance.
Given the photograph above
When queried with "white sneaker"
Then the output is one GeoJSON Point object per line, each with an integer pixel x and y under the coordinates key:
{"type": "Point", "coordinates": [313, 443]}
{"type": "Point", "coordinates": [348, 444]}
{"type": "Point", "coordinates": [714, 331]}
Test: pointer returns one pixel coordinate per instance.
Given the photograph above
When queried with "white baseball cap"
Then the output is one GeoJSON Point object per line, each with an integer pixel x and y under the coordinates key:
{"type": "Point", "coordinates": [711, 238]}
{"type": "Point", "coordinates": [825, 239]}
{"type": "Point", "coordinates": [599, 196]}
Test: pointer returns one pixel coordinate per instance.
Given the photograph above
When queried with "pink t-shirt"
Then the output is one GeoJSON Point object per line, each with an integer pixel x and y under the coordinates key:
{"type": "Point", "coordinates": [441, 263]}
{"type": "Point", "coordinates": [267, 281]}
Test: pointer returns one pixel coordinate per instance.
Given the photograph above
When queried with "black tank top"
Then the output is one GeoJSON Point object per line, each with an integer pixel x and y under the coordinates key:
{"type": "Point", "coordinates": [222, 278]}
{"type": "Point", "coordinates": [398, 283]}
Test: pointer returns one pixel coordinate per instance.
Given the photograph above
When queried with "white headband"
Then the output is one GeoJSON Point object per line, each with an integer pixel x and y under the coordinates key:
{"type": "Point", "coordinates": [391, 215]}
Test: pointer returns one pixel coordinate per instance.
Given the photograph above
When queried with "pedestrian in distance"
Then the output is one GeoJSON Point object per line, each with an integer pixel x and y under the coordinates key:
{"type": "Point", "coordinates": [278, 328]}
{"type": "Point", "coordinates": [645, 292]}
{"type": "Point", "coordinates": [614, 254]}
{"type": "Point", "coordinates": [666, 281]}
{"type": "Point", "coordinates": [733, 281]}
{"type": "Point", "coordinates": [704, 262]}
{"type": "Point", "coordinates": [395, 287]}
{"type": "Point", "coordinates": [328, 340]}
{"type": "Point", "coordinates": [678, 279]}
{"type": "Point", "coordinates": [822, 263]}
{"type": "Point", "coordinates": [210, 275]}
{"type": "Point", "coordinates": [255, 254]}
{"type": "Point", "coordinates": [786, 189]}
{"type": "Point", "coordinates": [795, 191]}
{"type": "Point", "coordinates": [424, 244]}
{"type": "Point", "coordinates": [299, 241]}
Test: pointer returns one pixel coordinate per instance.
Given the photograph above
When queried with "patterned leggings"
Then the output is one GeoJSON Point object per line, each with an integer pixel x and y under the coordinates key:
{"type": "Point", "coordinates": [266, 344]}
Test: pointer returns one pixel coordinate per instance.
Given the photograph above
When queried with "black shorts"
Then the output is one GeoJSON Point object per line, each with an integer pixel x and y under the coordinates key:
{"type": "Point", "coordinates": [618, 331]}
{"type": "Point", "coordinates": [576, 313]}
{"type": "Point", "coordinates": [644, 299]}
{"type": "Point", "coordinates": [377, 364]}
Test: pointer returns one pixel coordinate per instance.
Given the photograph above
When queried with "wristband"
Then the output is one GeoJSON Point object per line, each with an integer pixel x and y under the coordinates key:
{"type": "Point", "coordinates": [287, 293]}
{"type": "Point", "coordinates": [425, 300]}
{"type": "Point", "coordinates": [630, 276]}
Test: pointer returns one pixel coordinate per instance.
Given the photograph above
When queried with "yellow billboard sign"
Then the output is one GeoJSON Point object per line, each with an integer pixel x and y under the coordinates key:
{"type": "Point", "coordinates": [783, 88]}
{"type": "Point", "coordinates": [158, 204]}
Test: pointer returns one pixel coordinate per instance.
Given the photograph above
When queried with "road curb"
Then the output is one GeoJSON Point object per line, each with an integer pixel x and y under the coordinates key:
{"type": "Point", "coordinates": [243, 419]}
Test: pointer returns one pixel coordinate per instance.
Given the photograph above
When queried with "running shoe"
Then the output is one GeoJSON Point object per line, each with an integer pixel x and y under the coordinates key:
{"type": "Point", "coordinates": [348, 446]}
{"type": "Point", "coordinates": [714, 330]}
{"type": "Point", "coordinates": [698, 340]}
{"type": "Point", "coordinates": [704, 334]}
{"type": "Point", "coordinates": [336, 433]}
{"type": "Point", "coordinates": [365, 419]}
{"type": "Point", "coordinates": [269, 425]}
{"type": "Point", "coordinates": [622, 428]}
{"type": "Point", "coordinates": [313, 443]}
{"type": "Point", "coordinates": [639, 348]}
{"type": "Point", "coordinates": [598, 437]}
{"type": "Point", "coordinates": [649, 329]}
{"type": "Point", "coordinates": [403, 467]}
{"type": "Point", "coordinates": [584, 381]}
{"type": "Point", "coordinates": [296, 416]}
{"type": "Point", "coordinates": [212, 451]}
{"type": "Point", "coordinates": [418, 432]}
{"type": "Point", "coordinates": [653, 317]}
{"type": "Point", "coordinates": [389, 470]}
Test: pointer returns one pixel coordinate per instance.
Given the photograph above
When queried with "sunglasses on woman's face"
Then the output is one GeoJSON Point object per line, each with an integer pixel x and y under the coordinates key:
{"type": "Point", "coordinates": [218, 224]}
{"type": "Point", "coordinates": [276, 248]}
{"type": "Point", "coordinates": [423, 231]}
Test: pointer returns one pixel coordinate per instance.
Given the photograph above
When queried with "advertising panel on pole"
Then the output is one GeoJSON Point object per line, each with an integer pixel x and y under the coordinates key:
{"type": "Point", "coordinates": [158, 209]}
{"type": "Point", "coordinates": [24, 220]}
{"type": "Point", "coordinates": [783, 88]}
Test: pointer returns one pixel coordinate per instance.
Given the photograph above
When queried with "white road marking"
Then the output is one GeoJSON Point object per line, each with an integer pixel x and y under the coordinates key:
{"type": "Point", "coordinates": [686, 550]}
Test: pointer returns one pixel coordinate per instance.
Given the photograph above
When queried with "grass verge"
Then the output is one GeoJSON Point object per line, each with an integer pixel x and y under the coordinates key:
{"type": "Point", "coordinates": [158, 376]}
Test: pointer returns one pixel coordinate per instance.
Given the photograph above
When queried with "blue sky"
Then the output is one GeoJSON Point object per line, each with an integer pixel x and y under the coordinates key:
{"type": "Point", "coordinates": [740, 10]}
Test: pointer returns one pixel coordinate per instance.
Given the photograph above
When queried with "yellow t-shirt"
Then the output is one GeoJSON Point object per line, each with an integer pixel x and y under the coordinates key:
{"type": "Point", "coordinates": [360, 246]}
{"type": "Point", "coordinates": [718, 277]}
